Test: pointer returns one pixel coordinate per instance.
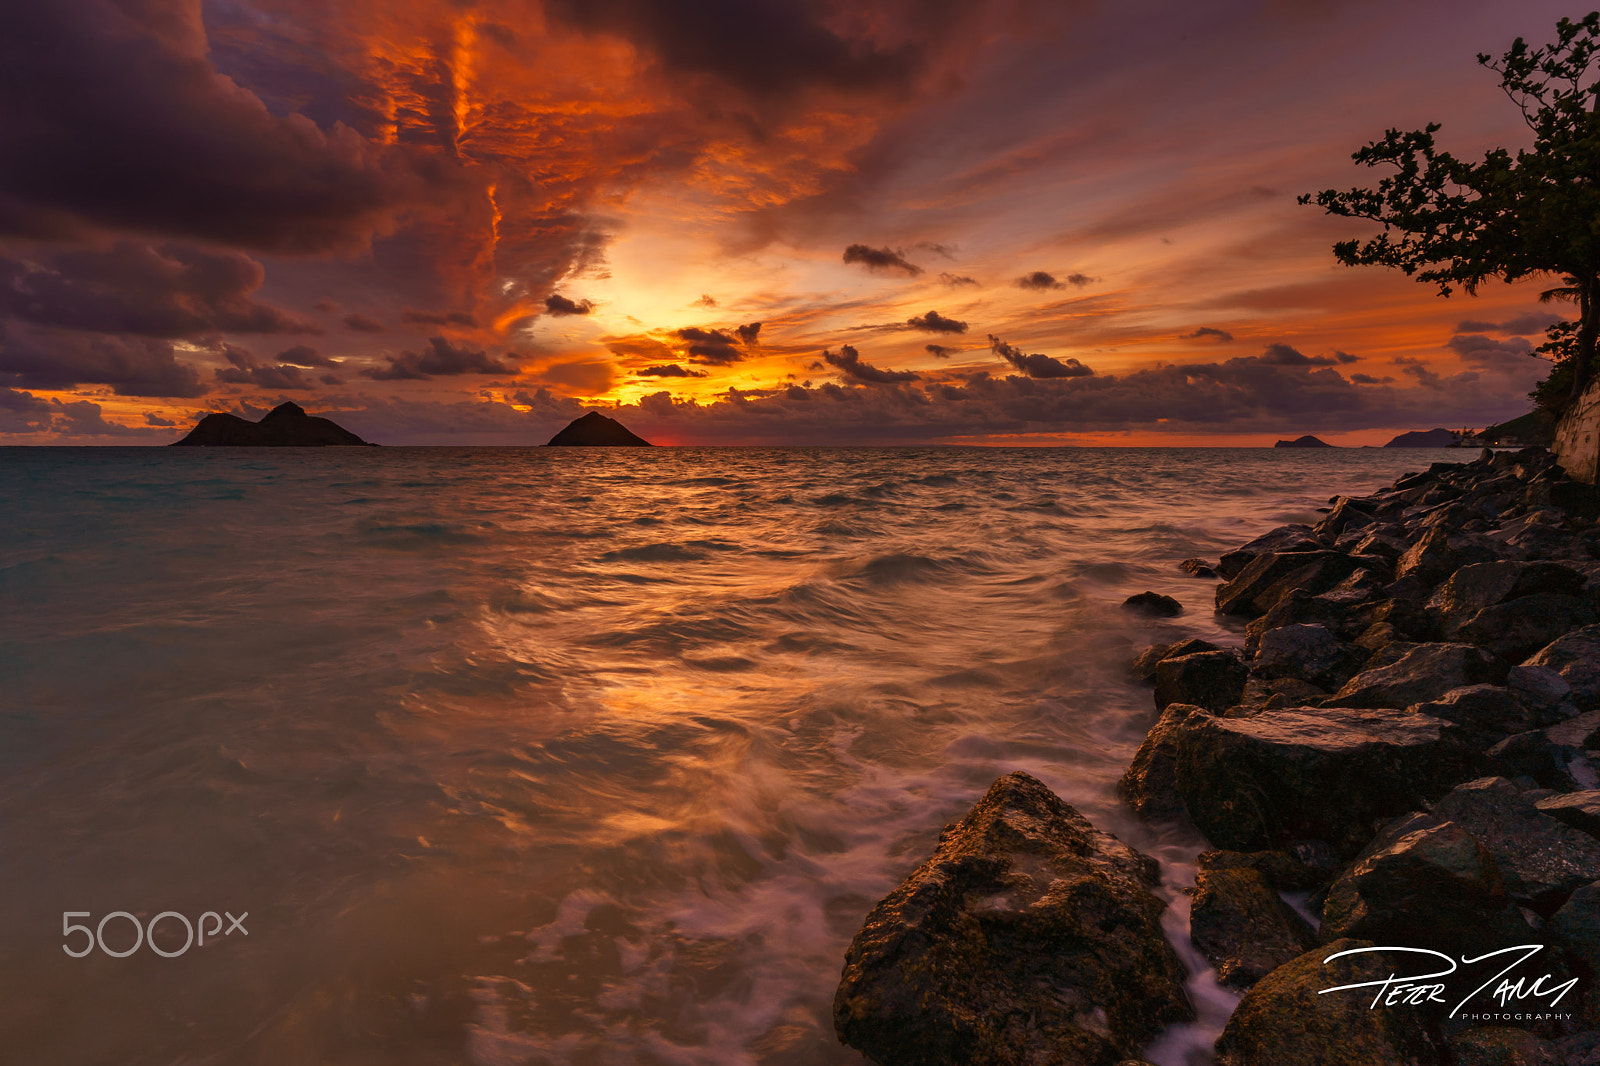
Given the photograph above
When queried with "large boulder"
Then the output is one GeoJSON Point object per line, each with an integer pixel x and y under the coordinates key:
{"type": "Point", "coordinates": [1288, 1019]}
{"type": "Point", "coordinates": [1270, 576]}
{"type": "Point", "coordinates": [1478, 586]}
{"type": "Point", "coordinates": [1424, 882]}
{"type": "Point", "coordinates": [1469, 590]}
{"type": "Point", "coordinates": [1307, 652]}
{"type": "Point", "coordinates": [1487, 714]}
{"type": "Point", "coordinates": [1294, 538]}
{"type": "Point", "coordinates": [1332, 773]}
{"type": "Point", "coordinates": [1143, 666]}
{"type": "Point", "coordinates": [1517, 628]}
{"type": "Point", "coordinates": [1028, 937]}
{"type": "Point", "coordinates": [1150, 785]}
{"type": "Point", "coordinates": [1239, 923]}
{"type": "Point", "coordinates": [1542, 859]}
{"type": "Point", "coordinates": [1576, 657]}
{"type": "Point", "coordinates": [1214, 680]}
{"type": "Point", "coordinates": [1422, 673]}
{"type": "Point", "coordinates": [1581, 810]}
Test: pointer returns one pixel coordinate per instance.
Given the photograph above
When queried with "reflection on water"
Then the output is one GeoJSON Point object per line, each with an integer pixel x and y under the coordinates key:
{"type": "Point", "coordinates": [554, 756]}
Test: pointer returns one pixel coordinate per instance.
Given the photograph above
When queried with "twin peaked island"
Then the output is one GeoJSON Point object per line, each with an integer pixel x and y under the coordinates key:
{"type": "Point", "coordinates": [288, 426]}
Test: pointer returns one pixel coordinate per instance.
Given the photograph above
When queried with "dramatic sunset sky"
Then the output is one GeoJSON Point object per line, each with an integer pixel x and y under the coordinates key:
{"type": "Point", "coordinates": [738, 221]}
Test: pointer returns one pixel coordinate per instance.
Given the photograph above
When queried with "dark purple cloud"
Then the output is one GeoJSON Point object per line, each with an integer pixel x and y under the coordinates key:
{"type": "Point", "coordinates": [167, 290]}
{"type": "Point", "coordinates": [711, 346]}
{"type": "Point", "coordinates": [115, 119]}
{"type": "Point", "coordinates": [934, 322]}
{"type": "Point", "coordinates": [439, 359]}
{"type": "Point", "coordinates": [1284, 355]}
{"type": "Point", "coordinates": [1036, 365]}
{"type": "Point", "coordinates": [769, 49]}
{"type": "Point", "coordinates": [956, 280]}
{"type": "Point", "coordinates": [305, 355]}
{"type": "Point", "coordinates": [1477, 348]}
{"type": "Point", "coordinates": [1529, 322]}
{"type": "Point", "coordinates": [1039, 280]}
{"type": "Point", "coordinates": [1208, 331]}
{"type": "Point", "coordinates": [748, 333]}
{"type": "Point", "coordinates": [881, 260]}
{"type": "Point", "coordinates": [939, 351]}
{"type": "Point", "coordinates": [556, 304]}
{"type": "Point", "coordinates": [132, 366]}
{"type": "Point", "coordinates": [669, 370]}
{"type": "Point", "coordinates": [849, 363]}
{"type": "Point", "coordinates": [362, 324]}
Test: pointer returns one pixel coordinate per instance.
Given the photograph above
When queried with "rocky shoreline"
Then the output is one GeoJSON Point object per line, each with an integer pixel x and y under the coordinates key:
{"type": "Point", "coordinates": [1407, 742]}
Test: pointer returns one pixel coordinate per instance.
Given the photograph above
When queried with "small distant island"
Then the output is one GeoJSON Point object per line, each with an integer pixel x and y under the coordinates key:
{"type": "Point", "coordinates": [1430, 438]}
{"type": "Point", "coordinates": [595, 430]}
{"type": "Point", "coordinates": [1307, 441]}
{"type": "Point", "coordinates": [285, 426]}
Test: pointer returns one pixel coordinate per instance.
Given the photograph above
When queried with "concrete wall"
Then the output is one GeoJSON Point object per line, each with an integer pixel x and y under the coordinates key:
{"type": "Point", "coordinates": [1577, 445]}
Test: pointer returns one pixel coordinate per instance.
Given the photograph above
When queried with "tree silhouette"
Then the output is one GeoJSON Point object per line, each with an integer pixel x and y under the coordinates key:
{"type": "Point", "coordinates": [1454, 223]}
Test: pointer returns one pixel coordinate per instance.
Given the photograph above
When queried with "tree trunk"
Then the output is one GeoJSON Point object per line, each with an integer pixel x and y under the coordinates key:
{"type": "Point", "coordinates": [1588, 331]}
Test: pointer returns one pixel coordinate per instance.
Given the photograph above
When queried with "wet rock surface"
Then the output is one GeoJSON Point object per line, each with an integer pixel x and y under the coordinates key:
{"type": "Point", "coordinates": [1328, 773]}
{"type": "Point", "coordinates": [1423, 881]}
{"type": "Point", "coordinates": [1284, 1020]}
{"type": "Point", "coordinates": [1028, 937]}
{"type": "Point", "coordinates": [1240, 924]}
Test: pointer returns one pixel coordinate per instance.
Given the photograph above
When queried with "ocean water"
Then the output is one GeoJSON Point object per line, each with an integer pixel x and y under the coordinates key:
{"type": "Point", "coordinates": [556, 756]}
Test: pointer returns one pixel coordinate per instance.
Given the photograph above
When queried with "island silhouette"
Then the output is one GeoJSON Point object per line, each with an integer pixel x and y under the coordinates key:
{"type": "Point", "coordinates": [595, 430]}
{"type": "Point", "coordinates": [285, 426]}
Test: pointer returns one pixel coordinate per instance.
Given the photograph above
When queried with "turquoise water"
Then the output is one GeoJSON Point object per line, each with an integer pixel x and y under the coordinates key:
{"type": "Point", "coordinates": [555, 756]}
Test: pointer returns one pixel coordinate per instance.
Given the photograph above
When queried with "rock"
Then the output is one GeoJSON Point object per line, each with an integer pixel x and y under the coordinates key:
{"type": "Point", "coordinates": [1214, 680]}
{"type": "Point", "coordinates": [1577, 926]}
{"type": "Point", "coordinates": [1285, 1020]}
{"type": "Point", "coordinates": [1295, 538]}
{"type": "Point", "coordinates": [1029, 936]}
{"type": "Point", "coordinates": [1576, 657]}
{"type": "Point", "coordinates": [1501, 1046]}
{"type": "Point", "coordinates": [1197, 568]}
{"type": "Point", "coordinates": [1428, 560]}
{"type": "Point", "coordinates": [1262, 694]}
{"type": "Point", "coordinates": [1332, 773]}
{"type": "Point", "coordinates": [1424, 882]}
{"type": "Point", "coordinates": [1517, 628]}
{"type": "Point", "coordinates": [1307, 652]}
{"type": "Point", "coordinates": [285, 426]}
{"type": "Point", "coordinates": [1422, 673]}
{"type": "Point", "coordinates": [1238, 922]}
{"type": "Point", "coordinates": [595, 430]}
{"type": "Point", "coordinates": [1380, 544]}
{"type": "Point", "coordinates": [1305, 865]}
{"type": "Point", "coordinates": [1346, 515]}
{"type": "Point", "coordinates": [1270, 576]}
{"type": "Point", "coordinates": [1297, 608]}
{"type": "Point", "coordinates": [1144, 666]}
{"type": "Point", "coordinates": [1543, 690]}
{"type": "Point", "coordinates": [1535, 756]}
{"type": "Point", "coordinates": [1150, 784]}
{"type": "Point", "coordinates": [1307, 441]}
{"type": "Point", "coordinates": [1155, 604]}
{"type": "Point", "coordinates": [1542, 860]}
{"type": "Point", "coordinates": [1486, 714]}
{"type": "Point", "coordinates": [1469, 590]}
{"type": "Point", "coordinates": [1581, 810]}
